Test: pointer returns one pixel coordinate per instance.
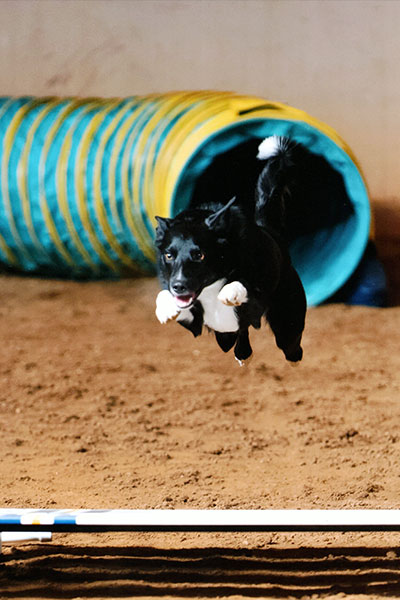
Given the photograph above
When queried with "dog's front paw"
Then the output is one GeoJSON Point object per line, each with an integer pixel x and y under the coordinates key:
{"type": "Point", "coordinates": [166, 308]}
{"type": "Point", "coordinates": [233, 294]}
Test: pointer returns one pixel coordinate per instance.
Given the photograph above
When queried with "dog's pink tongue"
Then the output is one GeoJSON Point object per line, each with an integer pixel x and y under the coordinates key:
{"type": "Point", "coordinates": [183, 301]}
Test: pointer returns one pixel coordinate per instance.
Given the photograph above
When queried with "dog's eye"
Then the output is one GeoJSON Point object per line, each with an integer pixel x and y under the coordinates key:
{"type": "Point", "coordinates": [198, 255]}
{"type": "Point", "coordinates": [168, 256]}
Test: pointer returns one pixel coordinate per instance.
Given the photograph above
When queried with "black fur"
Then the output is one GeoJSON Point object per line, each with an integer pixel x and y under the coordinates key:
{"type": "Point", "coordinates": [212, 242]}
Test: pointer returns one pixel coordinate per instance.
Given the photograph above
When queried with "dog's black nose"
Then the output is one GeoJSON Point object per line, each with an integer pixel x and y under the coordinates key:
{"type": "Point", "coordinates": [179, 288]}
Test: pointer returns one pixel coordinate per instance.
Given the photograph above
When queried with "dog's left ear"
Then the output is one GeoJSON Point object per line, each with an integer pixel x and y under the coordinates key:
{"type": "Point", "coordinates": [220, 219]}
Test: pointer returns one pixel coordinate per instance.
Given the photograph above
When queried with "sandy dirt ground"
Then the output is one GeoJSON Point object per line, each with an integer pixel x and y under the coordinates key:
{"type": "Point", "coordinates": [102, 407]}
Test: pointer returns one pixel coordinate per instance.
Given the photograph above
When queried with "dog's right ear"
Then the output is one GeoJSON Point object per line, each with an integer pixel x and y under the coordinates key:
{"type": "Point", "coordinates": [163, 225]}
{"type": "Point", "coordinates": [219, 219]}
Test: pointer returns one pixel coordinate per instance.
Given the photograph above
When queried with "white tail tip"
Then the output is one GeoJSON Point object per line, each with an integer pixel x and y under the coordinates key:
{"type": "Point", "coordinates": [268, 147]}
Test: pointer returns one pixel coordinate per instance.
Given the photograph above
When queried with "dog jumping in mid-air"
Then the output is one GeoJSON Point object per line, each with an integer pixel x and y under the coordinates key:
{"type": "Point", "coordinates": [227, 268]}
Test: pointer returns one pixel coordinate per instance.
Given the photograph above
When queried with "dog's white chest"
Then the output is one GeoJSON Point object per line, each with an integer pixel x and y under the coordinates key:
{"type": "Point", "coordinates": [217, 316]}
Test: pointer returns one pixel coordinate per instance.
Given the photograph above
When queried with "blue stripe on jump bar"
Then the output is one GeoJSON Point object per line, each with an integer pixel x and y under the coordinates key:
{"type": "Point", "coordinates": [8, 519]}
{"type": "Point", "coordinates": [66, 519]}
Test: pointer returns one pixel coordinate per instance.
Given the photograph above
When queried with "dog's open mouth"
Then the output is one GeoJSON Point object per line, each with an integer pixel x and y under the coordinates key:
{"type": "Point", "coordinates": [186, 300]}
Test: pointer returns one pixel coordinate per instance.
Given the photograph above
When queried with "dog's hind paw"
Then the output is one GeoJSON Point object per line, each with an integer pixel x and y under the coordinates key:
{"type": "Point", "coordinates": [166, 308]}
{"type": "Point", "coordinates": [244, 362]}
{"type": "Point", "coordinates": [294, 356]}
{"type": "Point", "coordinates": [233, 294]}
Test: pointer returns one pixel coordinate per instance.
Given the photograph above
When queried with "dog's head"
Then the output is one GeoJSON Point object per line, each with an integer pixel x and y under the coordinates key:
{"type": "Point", "coordinates": [192, 250]}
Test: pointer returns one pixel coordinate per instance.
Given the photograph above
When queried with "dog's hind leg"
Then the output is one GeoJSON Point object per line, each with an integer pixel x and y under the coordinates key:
{"type": "Point", "coordinates": [287, 315]}
{"type": "Point", "coordinates": [226, 341]}
{"type": "Point", "coordinates": [243, 350]}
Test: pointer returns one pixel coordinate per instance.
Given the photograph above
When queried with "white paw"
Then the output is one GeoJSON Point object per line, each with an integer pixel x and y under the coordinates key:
{"type": "Point", "coordinates": [166, 308]}
{"type": "Point", "coordinates": [233, 294]}
{"type": "Point", "coordinates": [245, 362]}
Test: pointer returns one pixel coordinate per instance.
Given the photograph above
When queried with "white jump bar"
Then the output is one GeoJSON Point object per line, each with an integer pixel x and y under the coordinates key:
{"type": "Point", "coordinates": [199, 520]}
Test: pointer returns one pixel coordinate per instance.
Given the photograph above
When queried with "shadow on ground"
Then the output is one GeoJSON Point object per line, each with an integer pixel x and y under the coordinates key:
{"type": "Point", "coordinates": [57, 571]}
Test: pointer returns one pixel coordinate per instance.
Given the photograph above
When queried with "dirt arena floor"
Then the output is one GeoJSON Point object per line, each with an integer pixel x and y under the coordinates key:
{"type": "Point", "coordinates": [102, 407]}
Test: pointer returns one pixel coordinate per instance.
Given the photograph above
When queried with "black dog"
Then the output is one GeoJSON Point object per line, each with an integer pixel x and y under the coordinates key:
{"type": "Point", "coordinates": [221, 268]}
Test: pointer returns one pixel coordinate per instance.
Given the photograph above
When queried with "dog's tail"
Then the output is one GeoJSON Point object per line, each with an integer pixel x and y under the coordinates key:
{"type": "Point", "coordinates": [273, 188]}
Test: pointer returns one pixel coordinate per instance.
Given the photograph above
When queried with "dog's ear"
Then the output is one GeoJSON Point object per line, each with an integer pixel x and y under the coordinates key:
{"type": "Point", "coordinates": [163, 225]}
{"type": "Point", "coordinates": [220, 219]}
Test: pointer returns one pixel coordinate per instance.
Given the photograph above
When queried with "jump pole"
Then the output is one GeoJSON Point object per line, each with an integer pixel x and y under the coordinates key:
{"type": "Point", "coordinates": [31, 520]}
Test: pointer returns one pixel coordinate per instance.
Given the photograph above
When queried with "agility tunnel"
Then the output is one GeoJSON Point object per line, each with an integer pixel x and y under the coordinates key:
{"type": "Point", "coordinates": [83, 179]}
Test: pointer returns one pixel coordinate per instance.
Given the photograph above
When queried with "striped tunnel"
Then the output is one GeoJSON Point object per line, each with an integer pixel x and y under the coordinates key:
{"type": "Point", "coordinates": [82, 180]}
